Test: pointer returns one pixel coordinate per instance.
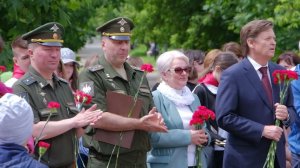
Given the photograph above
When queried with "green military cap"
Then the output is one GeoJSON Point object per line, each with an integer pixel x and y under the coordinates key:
{"type": "Point", "coordinates": [48, 34]}
{"type": "Point", "coordinates": [117, 29]}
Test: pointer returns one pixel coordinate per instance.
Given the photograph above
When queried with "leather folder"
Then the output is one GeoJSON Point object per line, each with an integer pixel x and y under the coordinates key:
{"type": "Point", "coordinates": [119, 104]}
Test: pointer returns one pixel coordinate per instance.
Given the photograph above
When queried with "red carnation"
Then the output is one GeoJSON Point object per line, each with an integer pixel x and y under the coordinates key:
{"type": "Point", "coordinates": [281, 76]}
{"type": "Point", "coordinates": [147, 67]}
{"type": "Point", "coordinates": [78, 96]}
{"type": "Point", "coordinates": [44, 144]}
{"type": "Point", "coordinates": [87, 98]}
{"type": "Point", "coordinates": [201, 115]}
{"type": "Point", "coordinates": [53, 105]}
{"type": "Point", "coordinates": [292, 75]}
{"type": "Point", "coordinates": [2, 68]}
{"type": "Point", "coordinates": [81, 97]}
{"type": "Point", "coordinates": [43, 147]}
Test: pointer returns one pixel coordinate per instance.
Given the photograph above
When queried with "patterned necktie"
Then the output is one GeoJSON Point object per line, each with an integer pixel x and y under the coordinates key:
{"type": "Point", "coordinates": [266, 83]}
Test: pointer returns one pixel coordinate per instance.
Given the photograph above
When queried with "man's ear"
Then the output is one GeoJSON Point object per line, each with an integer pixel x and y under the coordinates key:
{"type": "Point", "coordinates": [30, 53]}
{"type": "Point", "coordinates": [103, 42]}
{"type": "Point", "coordinates": [250, 42]}
{"type": "Point", "coordinates": [15, 60]}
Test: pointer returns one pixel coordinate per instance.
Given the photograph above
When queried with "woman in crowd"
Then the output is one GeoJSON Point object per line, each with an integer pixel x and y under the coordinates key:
{"type": "Point", "coordinates": [196, 58]}
{"type": "Point", "coordinates": [288, 59]}
{"type": "Point", "coordinates": [70, 67]}
{"type": "Point", "coordinates": [208, 60]}
{"type": "Point", "coordinates": [206, 91]}
{"type": "Point", "coordinates": [233, 47]}
{"type": "Point", "coordinates": [176, 103]}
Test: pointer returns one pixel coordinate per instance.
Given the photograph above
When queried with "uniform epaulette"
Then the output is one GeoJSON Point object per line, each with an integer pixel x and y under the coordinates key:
{"type": "Point", "coordinates": [61, 79]}
{"type": "Point", "coordinates": [96, 68]}
{"type": "Point", "coordinates": [29, 80]}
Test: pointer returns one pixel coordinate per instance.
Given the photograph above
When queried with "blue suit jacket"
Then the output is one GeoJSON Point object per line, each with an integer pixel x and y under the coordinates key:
{"type": "Point", "coordinates": [169, 150]}
{"type": "Point", "coordinates": [243, 110]}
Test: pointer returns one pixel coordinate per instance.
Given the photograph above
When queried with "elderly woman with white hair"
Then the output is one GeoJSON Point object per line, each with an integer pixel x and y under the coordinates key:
{"type": "Point", "coordinates": [174, 100]}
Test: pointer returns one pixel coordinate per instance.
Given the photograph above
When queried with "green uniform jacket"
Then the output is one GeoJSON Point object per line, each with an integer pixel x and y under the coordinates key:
{"type": "Point", "coordinates": [99, 79]}
{"type": "Point", "coordinates": [38, 93]}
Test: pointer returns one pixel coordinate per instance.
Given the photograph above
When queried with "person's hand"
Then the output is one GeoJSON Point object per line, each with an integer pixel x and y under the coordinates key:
{"type": "Point", "coordinates": [281, 112]}
{"type": "Point", "coordinates": [272, 132]}
{"type": "Point", "coordinates": [30, 145]}
{"type": "Point", "coordinates": [86, 117]}
{"type": "Point", "coordinates": [153, 122]}
{"type": "Point", "coordinates": [199, 137]}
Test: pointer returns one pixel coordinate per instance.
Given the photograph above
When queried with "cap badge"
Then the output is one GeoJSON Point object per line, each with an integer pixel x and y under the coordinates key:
{"type": "Point", "coordinates": [122, 29]}
{"type": "Point", "coordinates": [54, 28]}
{"type": "Point", "coordinates": [55, 36]}
{"type": "Point", "coordinates": [122, 22]}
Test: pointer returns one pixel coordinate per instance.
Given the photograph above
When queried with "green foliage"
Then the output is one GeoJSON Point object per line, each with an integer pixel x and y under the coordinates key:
{"type": "Point", "coordinates": [149, 60]}
{"type": "Point", "coordinates": [21, 16]}
{"type": "Point", "coordinates": [187, 24]}
{"type": "Point", "coordinates": [209, 24]}
{"type": "Point", "coordinates": [139, 51]}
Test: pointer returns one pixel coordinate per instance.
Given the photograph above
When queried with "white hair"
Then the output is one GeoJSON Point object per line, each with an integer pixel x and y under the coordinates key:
{"type": "Point", "coordinates": [164, 61]}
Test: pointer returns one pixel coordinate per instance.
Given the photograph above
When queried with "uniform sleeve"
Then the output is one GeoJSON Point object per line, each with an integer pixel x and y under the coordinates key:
{"type": "Point", "coordinates": [91, 83]}
{"type": "Point", "coordinates": [23, 92]}
{"type": "Point", "coordinates": [146, 83]}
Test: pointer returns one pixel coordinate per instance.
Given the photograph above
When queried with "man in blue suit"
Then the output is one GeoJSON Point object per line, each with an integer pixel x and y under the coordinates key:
{"type": "Point", "coordinates": [246, 109]}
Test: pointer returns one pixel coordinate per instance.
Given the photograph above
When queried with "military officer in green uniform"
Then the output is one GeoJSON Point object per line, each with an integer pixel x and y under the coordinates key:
{"type": "Point", "coordinates": [40, 85]}
{"type": "Point", "coordinates": [112, 73]}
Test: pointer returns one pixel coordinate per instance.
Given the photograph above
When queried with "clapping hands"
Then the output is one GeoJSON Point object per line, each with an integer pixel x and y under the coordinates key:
{"type": "Point", "coordinates": [87, 117]}
{"type": "Point", "coordinates": [153, 122]}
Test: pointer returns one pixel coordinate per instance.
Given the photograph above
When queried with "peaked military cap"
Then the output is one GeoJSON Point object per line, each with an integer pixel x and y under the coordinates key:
{"type": "Point", "coordinates": [49, 34]}
{"type": "Point", "coordinates": [117, 29]}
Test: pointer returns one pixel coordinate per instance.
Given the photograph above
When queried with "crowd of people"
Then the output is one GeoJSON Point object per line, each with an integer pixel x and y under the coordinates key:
{"type": "Point", "coordinates": [235, 82]}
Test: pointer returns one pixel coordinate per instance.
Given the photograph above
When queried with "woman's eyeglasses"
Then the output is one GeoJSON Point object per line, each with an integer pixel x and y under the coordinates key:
{"type": "Point", "coordinates": [179, 70]}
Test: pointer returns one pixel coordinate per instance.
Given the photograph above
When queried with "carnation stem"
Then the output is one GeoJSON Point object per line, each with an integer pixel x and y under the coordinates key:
{"type": "Point", "coordinates": [269, 163]}
{"type": "Point", "coordinates": [198, 151]}
{"type": "Point", "coordinates": [41, 133]}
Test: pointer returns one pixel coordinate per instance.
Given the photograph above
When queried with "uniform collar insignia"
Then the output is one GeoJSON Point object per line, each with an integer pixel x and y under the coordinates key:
{"type": "Point", "coordinates": [41, 84]}
{"type": "Point", "coordinates": [43, 94]}
{"type": "Point", "coordinates": [45, 101]}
